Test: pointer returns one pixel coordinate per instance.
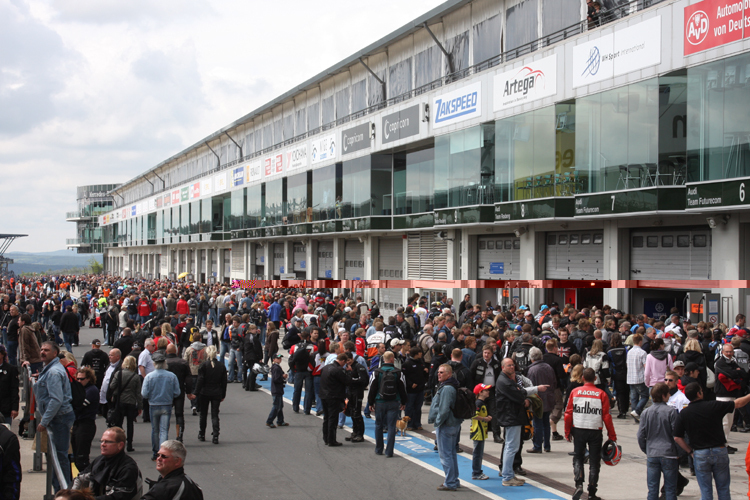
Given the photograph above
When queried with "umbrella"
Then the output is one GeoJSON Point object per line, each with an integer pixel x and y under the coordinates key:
{"type": "Point", "coordinates": [182, 275]}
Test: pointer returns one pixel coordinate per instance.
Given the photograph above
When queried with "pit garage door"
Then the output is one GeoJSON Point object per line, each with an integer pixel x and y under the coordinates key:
{"type": "Point", "coordinates": [389, 300]}
{"type": "Point", "coordinates": [238, 258]}
{"type": "Point", "coordinates": [300, 259]}
{"type": "Point", "coordinates": [390, 258]}
{"type": "Point", "coordinates": [260, 261]}
{"type": "Point", "coordinates": [227, 265]}
{"type": "Point", "coordinates": [354, 260]}
{"type": "Point", "coordinates": [682, 254]}
{"type": "Point", "coordinates": [499, 258]}
{"type": "Point", "coordinates": [325, 260]}
{"type": "Point", "coordinates": [575, 255]}
{"type": "Point", "coordinates": [278, 259]}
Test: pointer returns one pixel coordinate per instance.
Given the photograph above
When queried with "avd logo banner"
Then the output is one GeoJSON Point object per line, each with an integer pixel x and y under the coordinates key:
{"type": "Point", "coordinates": [713, 23]}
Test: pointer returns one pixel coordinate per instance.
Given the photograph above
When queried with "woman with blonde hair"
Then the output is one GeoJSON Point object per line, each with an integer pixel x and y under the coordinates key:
{"type": "Point", "coordinates": [211, 388]}
{"type": "Point", "coordinates": [694, 354]}
{"type": "Point", "coordinates": [125, 388]}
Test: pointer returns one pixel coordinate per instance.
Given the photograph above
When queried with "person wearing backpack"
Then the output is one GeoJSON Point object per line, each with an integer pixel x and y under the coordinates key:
{"type": "Point", "coordinates": [301, 358]}
{"type": "Point", "coordinates": [520, 354]}
{"type": "Point", "coordinates": [447, 425]}
{"type": "Point", "coordinates": [54, 402]}
{"type": "Point", "coordinates": [386, 397]}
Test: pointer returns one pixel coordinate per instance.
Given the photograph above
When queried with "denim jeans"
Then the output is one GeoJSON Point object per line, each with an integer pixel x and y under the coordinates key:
{"type": "Point", "coordinates": [318, 401]}
{"type": "Point", "coordinates": [201, 319]}
{"type": "Point", "coordinates": [60, 427]}
{"type": "Point", "coordinates": [447, 439]}
{"type": "Point", "coordinates": [342, 419]}
{"type": "Point", "coordinates": [277, 410]}
{"type": "Point", "coordinates": [386, 414]}
{"type": "Point", "coordinates": [12, 347]}
{"type": "Point", "coordinates": [234, 354]}
{"type": "Point", "coordinates": [542, 431]}
{"type": "Point", "coordinates": [305, 378]}
{"type": "Point", "coordinates": [476, 459]}
{"type": "Point", "coordinates": [512, 445]}
{"type": "Point", "coordinates": [223, 349]}
{"type": "Point", "coordinates": [68, 340]}
{"type": "Point", "coordinates": [413, 408]}
{"type": "Point", "coordinates": [638, 397]}
{"type": "Point", "coordinates": [160, 416]}
{"type": "Point", "coordinates": [712, 463]}
{"type": "Point", "coordinates": [655, 467]}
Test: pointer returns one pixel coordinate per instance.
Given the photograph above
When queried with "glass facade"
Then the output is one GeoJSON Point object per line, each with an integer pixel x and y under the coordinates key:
{"type": "Point", "coordinates": [413, 181]}
{"type": "Point", "coordinates": [325, 188]}
{"type": "Point", "coordinates": [274, 202]}
{"type": "Point", "coordinates": [255, 207]}
{"type": "Point", "coordinates": [238, 209]}
{"type": "Point", "coordinates": [298, 196]}
{"type": "Point", "coordinates": [463, 167]}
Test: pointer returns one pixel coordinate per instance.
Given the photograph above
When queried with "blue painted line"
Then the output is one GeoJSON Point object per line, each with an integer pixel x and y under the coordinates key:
{"type": "Point", "coordinates": [420, 448]}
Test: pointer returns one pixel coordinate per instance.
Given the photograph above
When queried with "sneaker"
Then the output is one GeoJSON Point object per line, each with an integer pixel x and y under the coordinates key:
{"type": "Point", "coordinates": [270, 426]}
{"type": "Point", "coordinates": [195, 411]}
{"type": "Point", "coordinates": [635, 415]}
{"type": "Point", "coordinates": [534, 450]}
{"type": "Point", "coordinates": [519, 471]}
{"type": "Point", "coordinates": [514, 482]}
{"type": "Point", "coordinates": [283, 425]}
{"type": "Point", "coordinates": [556, 436]}
{"type": "Point", "coordinates": [480, 477]}
{"type": "Point", "coordinates": [731, 450]}
{"type": "Point", "coordinates": [622, 416]}
{"type": "Point", "coordinates": [579, 491]}
{"type": "Point", "coordinates": [443, 487]}
{"type": "Point", "coordinates": [319, 413]}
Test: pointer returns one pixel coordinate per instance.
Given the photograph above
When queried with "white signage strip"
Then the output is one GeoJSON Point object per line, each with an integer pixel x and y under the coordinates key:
{"type": "Point", "coordinates": [323, 149]}
{"type": "Point", "coordinates": [459, 105]}
{"type": "Point", "coordinates": [618, 53]}
{"type": "Point", "coordinates": [535, 80]}
{"type": "Point", "coordinates": [297, 157]}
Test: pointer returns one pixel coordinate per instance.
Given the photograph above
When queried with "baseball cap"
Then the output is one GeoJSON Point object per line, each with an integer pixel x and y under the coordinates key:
{"type": "Point", "coordinates": [158, 357]}
{"type": "Point", "coordinates": [691, 367]}
{"type": "Point", "coordinates": [528, 313]}
{"type": "Point", "coordinates": [547, 326]}
{"type": "Point", "coordinates": [481, 387]}
{"type": "Point", "coordinates": [396, 342]}
{"type": "Point", "coordinates": [523, 308]}
{"type": "Point", "coordinates": [275, 356]}
{"type": "Point", "coordinates": [518, 328]}
{"type": "Point", "coordinates": [96, 342]}
{"type": "Point", "coordinates": [347, 309]}
{"type": "Point", "coordinates": [545, 306]}
{"type": "Point", "coordinates": [678, 363]}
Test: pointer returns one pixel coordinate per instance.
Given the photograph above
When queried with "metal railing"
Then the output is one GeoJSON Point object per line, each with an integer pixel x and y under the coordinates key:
{"type": "Point", "coordinates": [55, 471]}
{"type": "Point", "coordinates": [605, 17]}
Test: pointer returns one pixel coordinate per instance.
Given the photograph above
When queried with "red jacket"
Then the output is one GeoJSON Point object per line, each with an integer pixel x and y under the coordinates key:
{"type": "Point", "coordinates": [182, 307]}
{"type": "Point", "coordinates": [588, 408]}
{"type": "Point", "coordinates": [144, 308]}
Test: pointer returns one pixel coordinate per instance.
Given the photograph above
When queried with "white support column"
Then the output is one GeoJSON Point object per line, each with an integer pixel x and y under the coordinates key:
{"type": "Point", "coordinates": [339, 246]}
{"type": "Point", "coordinates": [311, 256]}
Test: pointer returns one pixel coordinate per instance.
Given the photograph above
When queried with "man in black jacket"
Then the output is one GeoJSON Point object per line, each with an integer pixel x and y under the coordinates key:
{"type": "Point", "coordinates": [333, 382]}
{"type": "Point", "coordinates": [252, 353]}
{"type": "Point", "coordinates": [356, 393]}
{"type": "Point", "coordinates": [113, 474]}
{"type": "Point", "coordinates": [485, 370]}
{"type": "Point", "coordinates": [69, 327]}
{"type": "Point", "coordinates": [415, 373]}
{"type": "Point", "coordinates": [8, 388]}
{"type": "Point", "coordinates": [181, 369]}
{"type": "Point", "coordinates": [10, 465]}
{"type": "Point", "coordinates": [98, 360]}
{"type": "Point", "coordinates": [511, 401]}
{"type": "Point", "coordinates": [730, 380]}
{"type": "Point", "coordinates": [173, 483]}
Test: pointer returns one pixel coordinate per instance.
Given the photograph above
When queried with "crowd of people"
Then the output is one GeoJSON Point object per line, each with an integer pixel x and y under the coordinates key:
{"type": "Point", "coordinates": [512, 373]}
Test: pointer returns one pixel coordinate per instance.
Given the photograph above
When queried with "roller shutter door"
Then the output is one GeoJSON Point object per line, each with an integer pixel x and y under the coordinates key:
{"type": "Point", "coordinates": [278, 259]}
{"type": "Point", "coordinates": [354, 260]}
{"type": "Point", "coordinates": [683, 254]}
{"type": "Point", "coordinates": [227, 264]}
{"type": "Point", "coordinates": [238, 257]}
{"type": "Point", "coordinates": [575, 255]}
{"type": "Point", "coordinates": [427, 257]}
{"type": "Point", "coordinates": [175, 269]}
{"type": "Point", "coordinates": [325, 260]}
{"type": "Point", "coordinates": [183, 261]}
{"type": "Point", "coordinates": [202, 262]}
{"type": "Point", "coordinates": [214, 263]}
{"type": "Point", "coordinates": [300, 256]}
{"type": "Point", "coordinates": [499, 258]}
{"type": "Point", "coordinates": [389, 300]}
{"type": "Point", "coordinates": [260, 258]}
{"type": "Point", "coordinates": [390, 258]}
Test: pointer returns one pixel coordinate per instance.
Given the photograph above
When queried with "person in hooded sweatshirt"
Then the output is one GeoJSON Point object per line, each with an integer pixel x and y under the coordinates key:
{"type": "Point", "coordinates": [658, 362]}
{"type": "Point", "coordinates": [195, 355]}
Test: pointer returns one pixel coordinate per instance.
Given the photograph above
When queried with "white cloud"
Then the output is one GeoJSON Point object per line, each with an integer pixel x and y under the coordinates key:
{"type": "Point", "coordinates": [97, 91]}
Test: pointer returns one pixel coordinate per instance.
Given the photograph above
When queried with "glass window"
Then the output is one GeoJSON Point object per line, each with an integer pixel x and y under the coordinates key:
{"type": "Point", "coordinates": [673, 96]}
{"type": "Point", "coordinates": [217, 214]}
{"type": "Point", "coordinates": [487, 39]}
{"type": "Point", "coordinates": [195, 217]}
{"type": "Point", "coordinates": [377, 90]}
{"type": "Point", "coordinates": [616, 138]}
{"type": "Point", "coordinates": [598, 238]}
{"type": "Point", "coordinates": [585, 239]}
{"type": "Point", "coordinates": [413, 181]}
{"type": "Point", "coordinates": [491, 245]}
{"type": "Point", "coordinates": [206, 215]}
{"type": "Point", "coordinates": [342, 103]}
{"type": "Point", "coordinates": [521, 24]}
{"type": "Point", "coordinates": [159, 227]}
{"type": "Point", "coordinates": [288, 126]}
{"type": "Point", "coordinates": [667, 241]}
{"type": "Point", "coordinates": [652, 241]}
{"type": "Point", "coordinates": [482, 244]}
{"type": "Point", "coordinates": [381, 167]}
{"type": "Point", "coordinates": [255, 206]}
{"type": "Point", "coordinates": [237, 210]}
{"type": "Point", "coordinates": [355, 194]}
{"type": "Point", "coordinates": [300, 121]}
{"type": "Point", "coordinates": [524, 156]}
{"type": "Point", "coordinates": [458, 47]}
{"type": "Point", "coordinates": [324, 193]}
{"type": "Point", "coordinates": [563, 239]}
{"type": "Point", "coordinates": [516, 244]}
{"type": "Point", "coordinates": [573, 239]}
{"type": "Point", "coordinates": [274, 201]}
{"type": "Point", "coordinates": [551, 239]}
{"type": "Point", "coordinates": [637, 241]}
{"type": "Point", "coordinates": [359, 95]}
{"type": "Point", "coordinates": [700, 240]}
{"type": "Point", "coordinates": [508, 244]}
{"type": "Point", "coordinates": [399, 78]}
{"type": "Point", "coordinates": [185, 218]}
{"type": "Point", "coordinates": [297, 198]}
{"type": "Point", "coordinates": [683, 241]}
{"type": "Point", "coordinates": [427, 66]}
{"type": "Point", "coordinates": [460, 176]}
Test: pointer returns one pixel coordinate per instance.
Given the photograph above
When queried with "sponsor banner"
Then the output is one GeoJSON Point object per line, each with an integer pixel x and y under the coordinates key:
{"type": "Point", "coordinates": [133, 210]}
{"type": "Point", "coordinates": [206, 186]}
{"type": "Point", "coordinates": [400, 125]}
{"type": "Point", "coordinates": [297, 157]}
{"type": "Point", "coordinates": [176, 197]}
{"type": "Point", "coordinates": [140, 208]}
{"type": "Point", "coordinates": [238, 176]}
{"type": "Point", "coordinates": [195, 190]}
{"type": "Point", "coordinates": [355, 138]}
{"type": "Point", "coordinates": [273, 165]}
{"type": "Point", "coordinates": [626, 50]}
{"type": "Point", "coordinates": [150, 205]}
{"type": "Point", "coordinates": [323, 149]}
{"type": "Point", "coordinates": [184, 194]}
{"type": "Point", "coordinates": [124, 213]}
{"type": "Point", "coordinates": [220, 182]}
{"type": "Point", "coordinates": [712, 23]}
{"type": "Point", "coordinates": [533, 81]}
{"type": "Point", "coordinates": [167, 199]}
{"type": "Point", "coordinates": [159, 202]}
{"type": "Point", "coordinates": [253, 172]}
{"type": "Point", "coordinates": [461, 104]}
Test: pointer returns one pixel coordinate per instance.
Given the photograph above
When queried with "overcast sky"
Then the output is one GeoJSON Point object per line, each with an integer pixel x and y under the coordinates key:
{"type": "Point", "coordinates": [97, 91]}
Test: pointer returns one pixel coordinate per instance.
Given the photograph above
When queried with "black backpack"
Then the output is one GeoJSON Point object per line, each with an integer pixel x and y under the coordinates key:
{"type": "Point", "coordinates": [466, 404]}
{"type": "Point", "coordinates": [389, 380]}
{"type": "Point", "coordinates": [79, 394]}
{"type": "Point", "coordinates": [521, 356]}
{"type": "Point", "coordinates": [300, 360]}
